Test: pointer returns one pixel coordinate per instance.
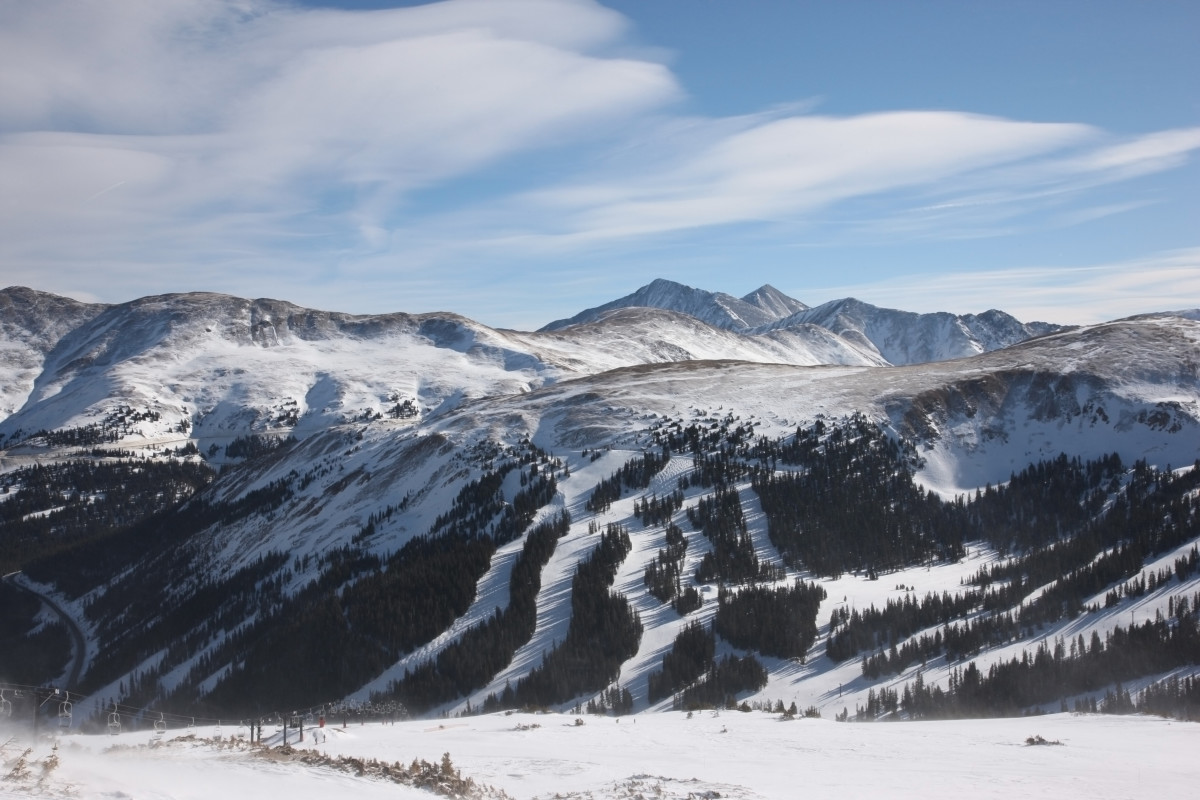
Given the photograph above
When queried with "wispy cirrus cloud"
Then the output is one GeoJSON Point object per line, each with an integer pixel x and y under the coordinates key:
{"type": "Point", "coordinates": [800, 164]}
{"type": "Point", "coordinates": [939, 173]}
{"type": "Point", "coordinates": [822, 180]}
{"type": "Point", "coordinates": [147, 129]}
{"type": "Point", "coordinates": [1082, 295]}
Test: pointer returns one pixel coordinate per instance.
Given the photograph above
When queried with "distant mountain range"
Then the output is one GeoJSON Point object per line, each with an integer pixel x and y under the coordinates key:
{"type": "Point", "coordinates": [761, 307]}
{"type": "Point", "coordinates": [57, 351]}
{"type": "Point", "coordinates": [417, 508]}
{"type": "Point", "coordinates": [878, 334]}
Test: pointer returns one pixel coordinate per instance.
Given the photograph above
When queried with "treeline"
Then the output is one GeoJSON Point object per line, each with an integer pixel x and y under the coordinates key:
{"type": "Point", "coordinates": [254, 446]}
{"type": "Point", "coordinates": [476, 506]}
{"type": "Point", "coordinates": [851, 631]}
{"type": "Point", "coordinates": [855, 505]}
{"type": "Point", "coordinates": [89, 435]}
{"type": "Point", "coordinates": [960, 638]}
{"type": "Point", "coordinates": [363, 613]}
{"type": "Point", "coordinates": [693, 438]}
{"type": "Point", "coordinates": [329, 642]}
{"type": "Point", "coordinates": [1172, 697]}
{"type": "Point", "coordinates": [47, 508]}
{"type": "Point", "coordinates": [1154, 512]}
{"type": "Point", "coordinates": [158, 543]}
{"type": "Point", "coordinates": [654, 510]}
{"type": "Point", "coordinates": [663, 575]}
{"type": "Point", "coordinates": [538, 489]}
{"type": "Point", "coordinates": [690, 656]}
{"type": "Point", "coordinates": [481, 508]}
{"type": "Point", "coordinates": [636, 473]}
{"type": "Point", "coordinates": [381, 612]}
{"type": "Point", "coordinates": [615, 699]}
{"type": "Point", "coordinates": [1055, 672]}
{"type": "Point", "coordinates": [723, 681]}
{"type": "Point", "coordinates": [957, 640]}
{"type": "Point", "coordinates": [487, 648]}
{"type": "Point", "coordinates": [604, 633]}
{"type": "Point", "coordinates": [116, 425]}
{"type": "Point", "coordinates": [1043, 502]}
{"type": "Point", "coordinates": [732, 558]}
{"type": "Point", "coordinates": [779, 622]}
{"type": "Point", "coordinates": [716, 469]}
{"type": "Point", "coordinates": [1184, 567]}
{"type": "Point", "coordinates": [29, 650]}
{"type": "Point", "coordinates": [187, 623]}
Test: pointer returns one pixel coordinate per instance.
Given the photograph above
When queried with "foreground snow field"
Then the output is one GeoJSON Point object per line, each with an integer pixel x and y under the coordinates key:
{"type": "Point", "coordinates": [668, 755]}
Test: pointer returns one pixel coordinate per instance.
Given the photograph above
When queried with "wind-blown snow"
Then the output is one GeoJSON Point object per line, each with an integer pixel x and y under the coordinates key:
{"type": "Point", "coordinates": [736, 756]}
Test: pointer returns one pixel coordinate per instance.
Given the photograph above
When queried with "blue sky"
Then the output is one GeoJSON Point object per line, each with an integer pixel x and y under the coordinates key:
{"type": "Point", "coordinates": [516, 161]}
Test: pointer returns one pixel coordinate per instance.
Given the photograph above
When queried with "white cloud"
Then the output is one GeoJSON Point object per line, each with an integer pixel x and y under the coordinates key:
{"type": "Point", "coordinates": [128, 124]}
{"type": "Point", "coordinates": [943, 175]}
{"type": "Point", "coordinates": [795, 165]}
{"type": "Point", "coordinates": [1142, 155]}
{"type": "Point", "coordinates": [1064, 295]}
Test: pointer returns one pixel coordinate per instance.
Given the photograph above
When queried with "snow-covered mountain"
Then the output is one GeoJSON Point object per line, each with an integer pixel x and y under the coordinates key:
{"type": "Point", "coordinates": [224, 366]}
{"type": "Point", "coordinates": [774, 302]}
{"type": "Point", "coordinates": [31, 323]}
{"type": "Point", "coordinates": [230, 366]}
{"type": "Point", "coordinates": [904, 337]}
{"type": "Point", "coordinates": [398, 430]}
{"type": "Point", "coordinates": [882, 334]}
{"type": "Point", "coordinates": [761, 307]}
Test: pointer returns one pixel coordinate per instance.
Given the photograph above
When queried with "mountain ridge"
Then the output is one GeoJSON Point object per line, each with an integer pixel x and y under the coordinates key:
{"type": "Point", "coordinates": [718, 309]}
{"type": "Point", "coordinates": [309, 480]}
{"type": "Point", "coordinates": [58, 358]}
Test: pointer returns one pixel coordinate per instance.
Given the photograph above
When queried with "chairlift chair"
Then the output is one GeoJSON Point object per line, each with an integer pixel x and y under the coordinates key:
{"type": "Point", "coordinates": [5, 705]}
{"type": "Point", "coordinates": [160, 725]}
{"type": "Point", "coordinates": [114, 721]}
{"type": "Point", "coordinates": [65, 711]}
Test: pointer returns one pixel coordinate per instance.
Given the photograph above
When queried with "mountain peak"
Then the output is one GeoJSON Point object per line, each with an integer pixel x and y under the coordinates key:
{"type": "Point", "coordinates": [774, 302]}
{"type": "Point", "coordinates": [761, 307]}
{"type": "Point", "coordinates": [907, 337]}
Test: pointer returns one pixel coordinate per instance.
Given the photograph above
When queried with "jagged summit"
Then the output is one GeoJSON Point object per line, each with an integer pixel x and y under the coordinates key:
{"type": "Point", "coordinates": [874, 334]}
{"type": "Point", "coordinates": [761, 307]}
{"type": "Point", "coordinates": [774, 302]}
{"type": "Point", "coordinates": [906, 337]}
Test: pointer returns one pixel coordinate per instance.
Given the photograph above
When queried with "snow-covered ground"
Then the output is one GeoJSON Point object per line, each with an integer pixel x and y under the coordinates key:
{"type": "Point", "coordinates": [670, 756]}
